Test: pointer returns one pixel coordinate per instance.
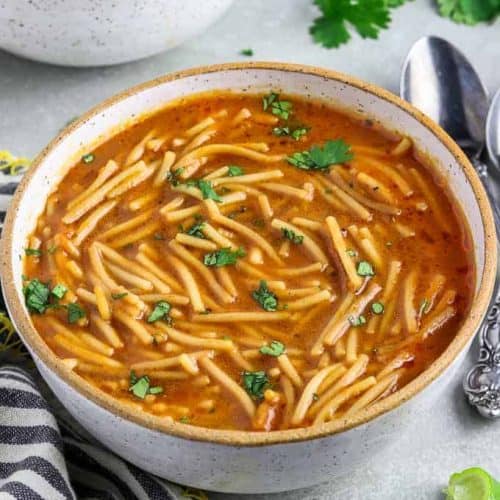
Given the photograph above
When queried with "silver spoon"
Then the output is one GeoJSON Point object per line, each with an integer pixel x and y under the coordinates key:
{"type": "Point", "coordinates": [440, 81]}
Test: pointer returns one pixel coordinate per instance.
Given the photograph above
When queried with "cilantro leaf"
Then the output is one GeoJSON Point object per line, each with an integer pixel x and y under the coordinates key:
{"type": "Point", "coordinates": [207, 190]}
{"type": "Point", "coordinates": [291, 235]}
{"type": "Point", "coordinates": [59, 291]}
{"type": "Point", "coordinates": [118, 296]}
{"type": "Point", "coordinates": [234, 171]}
{"type": "Point", "coordinates": [246, 52]}
{"type": "Point", "coordinates": [140, 387]}
{"type": "Point", "coordinates": [293, 132]}
{"type": "Point", "coordinates": [88, 158]}
{"type": "Point", "coordinates": [195, 230]}
{"type": "Point", "coordinates": [275, 349]}
{"type": "Point", "coordinates": [279, 108]}
{"type": "Point", "coordinates": [469, 11]}
{"type": "Point", "coordinates": [367, 17]}
{"type": "Point", "coordinates": [364, 268]}
{"type": "Point", "coordinates": [322, 158]}
{"type": "Point", "coordinates": [75, 312]}
{"type": "Point", "coordinates": [255, 383]}
{"type": "Point", "coordinates": [223, 257]}
{"type": "Point", "coordinates": [265, 298]}
{"type": "Point", "coordinates": [33, 251]}
{"type": "Point", "coordinates": [161, 309]}
{"type": "Point", "coordinates": [173, 176]}
{"type": "Point", "coordinates": [36, 296]}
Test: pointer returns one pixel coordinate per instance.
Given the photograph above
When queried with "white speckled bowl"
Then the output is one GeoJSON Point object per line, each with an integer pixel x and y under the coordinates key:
{"type": "Point", "coordinates": [101, 32]}
{"type": "Point", "coordinates": [237, 461]}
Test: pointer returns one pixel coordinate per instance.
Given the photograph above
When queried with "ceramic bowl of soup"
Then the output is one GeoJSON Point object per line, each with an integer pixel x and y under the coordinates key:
{"type": "Point", "coordinates": [249, 277]}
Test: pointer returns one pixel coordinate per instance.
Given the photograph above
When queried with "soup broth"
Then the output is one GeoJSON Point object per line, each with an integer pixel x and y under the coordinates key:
{"type": "Point", "coordinates": [251, 262]}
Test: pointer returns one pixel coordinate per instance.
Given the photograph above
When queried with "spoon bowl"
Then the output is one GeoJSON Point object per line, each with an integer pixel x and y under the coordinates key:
{"type": "Point", "coordinates": [439, 80]}
{"type": "Point", "coordinates": [493, 131]}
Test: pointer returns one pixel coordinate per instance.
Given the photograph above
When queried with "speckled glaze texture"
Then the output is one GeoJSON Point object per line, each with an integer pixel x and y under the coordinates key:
{"type": "Point", "coordinates": [237, 461]}
{"type": "Point", "coordinates": [96, 32]}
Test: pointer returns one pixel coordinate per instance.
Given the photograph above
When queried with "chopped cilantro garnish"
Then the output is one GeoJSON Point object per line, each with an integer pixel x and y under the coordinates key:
{"type": "Point", "coordinates": [161, 309]}
{"type": "Point", "coordinates": [265, 298]}
{"type": "Point", "coordinates": [52, 249]}
{"type": "Point", "coordinates": [255, 383]}
{"type": "Point", "coordinates": [196, 230]}
{"type": "Point", "coordinates": [223, 257]}
{"type": "Point", "coordinates": [184, 419]}
{"type": "Point", "coordinates": [140, 387]}
{"type": "Point", "coordinates": [281, 109]}
{"type": "Point", "coordinates": [365, 269]}
{"type": "Point", "coordinates": [322, 158]}
{"type": "Point", "coordinates": [291, 235]}
{"type": "Point", "coordinates": [275, 349]}
{"type": "Point", "coordinates": [33, 251]}
{"type": "Point", "coordinates": [357, 320]}
{"type": "Point", "coordinates": [351, 253]}
{"type": "Point", "coordinates": [234, 171]}
{"type": "Point", "coordinates": [118, 296]}
{"type": "Point", "coordinates": [88, 158]}
{"type": "Point", "coordinates": [173, 176]}
{"type": "Point", "coordinates": [75, 312]}
{"type": "Point", "coordinates": [36, 296]}
{"type": "Point", "coordinates": [246, 52]}
{"type": "Point", "coordinates": [206, 189]}
{"type": "Point", "coordinates": [293, 132]}
{"type": "Point", "coordinates": [377, 308]}
{"type": "Point", "coordinates": [59, 291]}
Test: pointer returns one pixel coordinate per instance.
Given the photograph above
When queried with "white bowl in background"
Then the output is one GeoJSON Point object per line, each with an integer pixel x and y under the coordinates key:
{"type": "Point", "coordinates": [101, 32]}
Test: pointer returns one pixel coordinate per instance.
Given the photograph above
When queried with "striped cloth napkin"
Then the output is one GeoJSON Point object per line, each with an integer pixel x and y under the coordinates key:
{"type": "Point", "coordinates": [49, 458]}
{"type": "Point", "coordinates": [44, 453]}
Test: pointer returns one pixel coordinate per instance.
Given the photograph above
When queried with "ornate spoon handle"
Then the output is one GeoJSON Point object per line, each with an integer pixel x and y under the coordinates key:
{"type": "Point", "coordinates": [482, 382]}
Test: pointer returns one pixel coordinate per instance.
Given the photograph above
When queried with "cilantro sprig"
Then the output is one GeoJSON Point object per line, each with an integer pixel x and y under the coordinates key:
{"type": "Point", "coordinates": [322, 158]}
{"type": "Point", "coordinates": [469, 12]}
{"type": "Point", "coordinates": [369, 17]}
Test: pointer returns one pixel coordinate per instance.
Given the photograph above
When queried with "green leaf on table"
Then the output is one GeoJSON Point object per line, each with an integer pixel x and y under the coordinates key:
{"type": "Point", "coordinates": [469, 11]}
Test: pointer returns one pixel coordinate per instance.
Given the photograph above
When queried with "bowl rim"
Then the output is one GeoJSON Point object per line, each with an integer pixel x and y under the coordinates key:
{"type": "Point", "coordinates": [40, 349]}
